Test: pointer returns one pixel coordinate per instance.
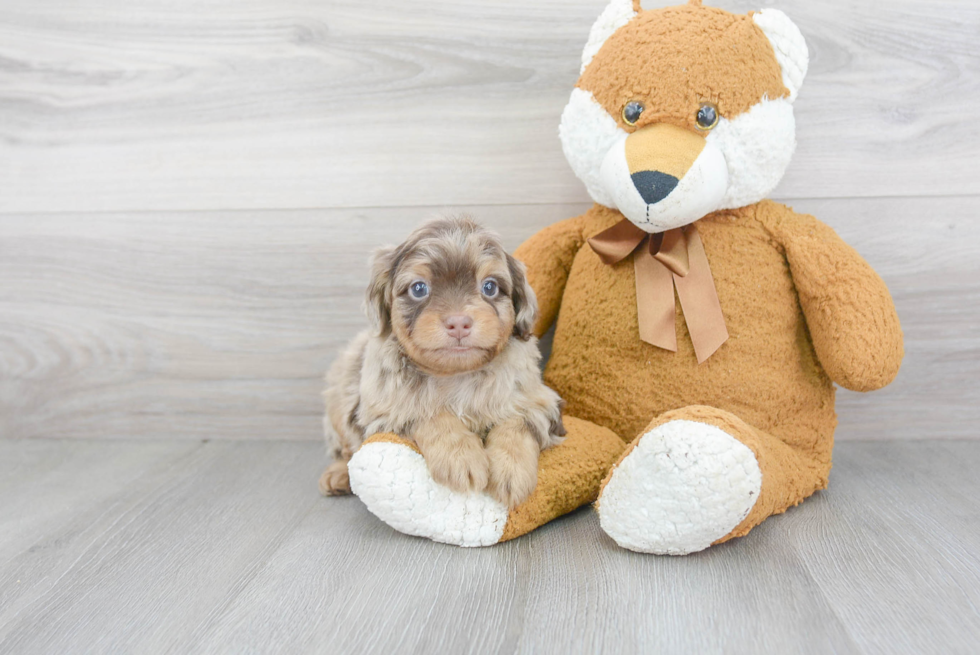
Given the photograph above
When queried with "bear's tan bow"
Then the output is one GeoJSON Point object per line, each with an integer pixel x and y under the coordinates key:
{"type": "Point", "coordinates": [662, 261]}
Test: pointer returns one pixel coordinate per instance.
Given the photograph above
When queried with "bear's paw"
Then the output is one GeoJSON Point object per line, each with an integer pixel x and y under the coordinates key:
{"type": "Point", "coordinates": [684, 486]}
{"type": "Point", "coordinates": [394, 482]}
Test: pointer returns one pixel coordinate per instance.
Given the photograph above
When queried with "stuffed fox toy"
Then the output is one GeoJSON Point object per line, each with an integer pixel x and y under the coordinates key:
{"type": "Point", "coordinates": [699, 327]}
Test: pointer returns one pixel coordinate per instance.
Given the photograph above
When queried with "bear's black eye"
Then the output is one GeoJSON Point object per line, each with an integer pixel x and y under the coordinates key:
{"type": "Point", "coordinates": [419, 290]}
{"type": "Point", "coordinates": [490, 288]}
{"type": "Point", "coordinates": [632, 111]}
{"type": "Point", "coordinates": [707, 116]}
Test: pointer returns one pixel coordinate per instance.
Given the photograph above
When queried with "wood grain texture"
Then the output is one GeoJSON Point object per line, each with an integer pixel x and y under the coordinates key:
{"type": "Point", "coordinates": [913, 544]}
{"type": "Point", "coordinates": [225, 547]}
{"type": "Point", "coordinates": [167, 282]}
{"type": "Point", "coordinates": [168, 550]}
{"type": "Point", "coordinates": [144, 105]}
{"type": "Point", "coordinates": [220, 325]}
{"type": "Point", "coordinates": [192, 325]}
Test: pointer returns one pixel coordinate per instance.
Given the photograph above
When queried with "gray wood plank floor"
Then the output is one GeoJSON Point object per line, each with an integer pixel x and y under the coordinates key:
{"type": "Point", "coordinates": [187, 546]}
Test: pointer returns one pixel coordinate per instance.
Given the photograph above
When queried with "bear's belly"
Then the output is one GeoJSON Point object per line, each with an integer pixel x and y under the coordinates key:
{"type": "Point", "coordinates": [766, 373]}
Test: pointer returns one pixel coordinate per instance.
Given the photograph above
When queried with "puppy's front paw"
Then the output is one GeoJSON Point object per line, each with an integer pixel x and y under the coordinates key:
{"type": "Point", "coordinates": [461, 465]}
{"type": "Point", "coordinates": [513, 457]}
{"type": "Point", "coordinates": [511, 482]}
{"type": "Point", "coordinates": [335, 480]}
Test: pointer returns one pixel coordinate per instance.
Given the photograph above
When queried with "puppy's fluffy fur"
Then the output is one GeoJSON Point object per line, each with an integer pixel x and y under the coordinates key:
{"type": "Point", "coordinates": [450, 362]}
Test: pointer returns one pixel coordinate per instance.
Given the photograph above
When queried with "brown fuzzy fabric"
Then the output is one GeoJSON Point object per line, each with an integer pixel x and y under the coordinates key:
{"type": "Point", "coordinates": [713, 56]}
{"type": "Point", "coordinates": [803, 311]}
{"type": "Point", "coordinates": [569, 476]}
{"type": "Point", "coordinates": [390, 437]}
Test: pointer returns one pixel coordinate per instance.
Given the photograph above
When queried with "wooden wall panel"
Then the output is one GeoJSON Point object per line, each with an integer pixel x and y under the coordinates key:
{"type": "Point", "coordinates": [189, 190]}
{"type": "Point", "coordinates": [190, 105]}
{"type": "Point", "coordinates": [220, 325]}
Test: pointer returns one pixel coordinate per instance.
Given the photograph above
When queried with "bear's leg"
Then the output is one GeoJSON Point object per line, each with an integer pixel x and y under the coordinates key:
{"type": "Point", "coordinates": [390, 476]}
{"type": "Point", "coordinates": [698, 476]}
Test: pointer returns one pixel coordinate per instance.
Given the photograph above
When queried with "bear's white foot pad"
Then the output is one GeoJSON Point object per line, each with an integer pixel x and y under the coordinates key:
{"type": "Point", "coordinates": [684, 486]}
{"type": "Point", "coordinates": [394, 483]}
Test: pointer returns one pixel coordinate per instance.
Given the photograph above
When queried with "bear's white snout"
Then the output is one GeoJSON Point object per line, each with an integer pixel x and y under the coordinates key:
{"type": "Point", "coordinates": [663, 176]}
{"type": "Point", "coordinates": [740, 161]}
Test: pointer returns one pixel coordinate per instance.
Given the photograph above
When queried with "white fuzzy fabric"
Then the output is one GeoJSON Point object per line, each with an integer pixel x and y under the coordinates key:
{"type": "Point", "coordinates": [587, 133]}
{"type": "Point", "coordinates": [394, 483]}
{"type": "Point", "coordinates": [698, 192]}
{"type": "Point", "coordinates": [757, 147]}
{"type": "Point", "coordinates": [684, 486]}
{"type": "Point", "coordinates": [790, 47]}
{"type": "Point", "coordinates": [616, 14]}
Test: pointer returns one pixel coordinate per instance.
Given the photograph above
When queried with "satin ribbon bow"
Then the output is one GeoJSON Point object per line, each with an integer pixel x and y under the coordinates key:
{"type": "Point", "coordinates": [663, 261]}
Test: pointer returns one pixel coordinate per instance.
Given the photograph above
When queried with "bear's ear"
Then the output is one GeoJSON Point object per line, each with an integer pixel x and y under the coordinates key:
{"type": "Point", "coordinates": [788, 43]}
{"type": "Point", "coordinates": [616, 14]}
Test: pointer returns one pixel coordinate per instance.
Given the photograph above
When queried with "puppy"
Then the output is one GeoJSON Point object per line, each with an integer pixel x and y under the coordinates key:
{"type": "Point", "coordinates": [450, 362]}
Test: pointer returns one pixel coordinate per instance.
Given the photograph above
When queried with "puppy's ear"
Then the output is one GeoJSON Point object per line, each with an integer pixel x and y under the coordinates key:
{"type": "Point", "coordinates": [525, 303]}
{"type": "Point", "coordinates": [377, 300]}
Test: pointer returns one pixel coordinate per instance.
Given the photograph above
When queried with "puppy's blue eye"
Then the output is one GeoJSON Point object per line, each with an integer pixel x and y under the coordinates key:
{"type": "Point", "coordinates": [419, 290]}
{"type": "Point", "coordinates": [490, 288]}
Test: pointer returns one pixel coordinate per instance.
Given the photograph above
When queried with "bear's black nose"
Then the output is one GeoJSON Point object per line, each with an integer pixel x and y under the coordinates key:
{"type": "Point", "coordinates": [653, 186]}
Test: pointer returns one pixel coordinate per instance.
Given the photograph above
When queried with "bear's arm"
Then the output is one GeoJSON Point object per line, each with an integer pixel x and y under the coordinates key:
{"type": "Point", "coordinates": [850, 314]}
{"type": "Point", "coordinates": [548, 256]}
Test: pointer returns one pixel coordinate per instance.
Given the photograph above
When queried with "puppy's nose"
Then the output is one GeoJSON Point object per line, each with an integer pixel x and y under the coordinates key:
{"type": "Point", "coordinates": [458, 326]}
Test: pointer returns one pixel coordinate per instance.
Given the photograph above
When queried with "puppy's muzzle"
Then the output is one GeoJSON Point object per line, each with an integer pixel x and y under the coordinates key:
{"type": "Point", "coordinates": [658, 157]}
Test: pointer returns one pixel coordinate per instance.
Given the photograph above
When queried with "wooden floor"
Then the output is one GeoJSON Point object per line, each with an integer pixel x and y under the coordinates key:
{"type": "Point", "coordinates": [183, 546]}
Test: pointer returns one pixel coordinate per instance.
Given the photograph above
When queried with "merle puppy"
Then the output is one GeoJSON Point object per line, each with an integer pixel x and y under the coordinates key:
{"type": "Point", "coordinates": [449, 362]}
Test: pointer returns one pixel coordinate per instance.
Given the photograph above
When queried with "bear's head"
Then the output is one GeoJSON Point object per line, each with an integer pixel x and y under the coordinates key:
{"type": "Point", "coordinates": [683, 111]}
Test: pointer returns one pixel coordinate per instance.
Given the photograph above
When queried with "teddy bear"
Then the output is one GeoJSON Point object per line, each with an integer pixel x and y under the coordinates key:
{"type": "Point", "coordinates": [699, 328]}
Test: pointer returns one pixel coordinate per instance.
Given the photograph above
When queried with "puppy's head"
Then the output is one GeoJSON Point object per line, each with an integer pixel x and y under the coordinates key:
{"type": "Point", "coordinates": [450, 295]}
